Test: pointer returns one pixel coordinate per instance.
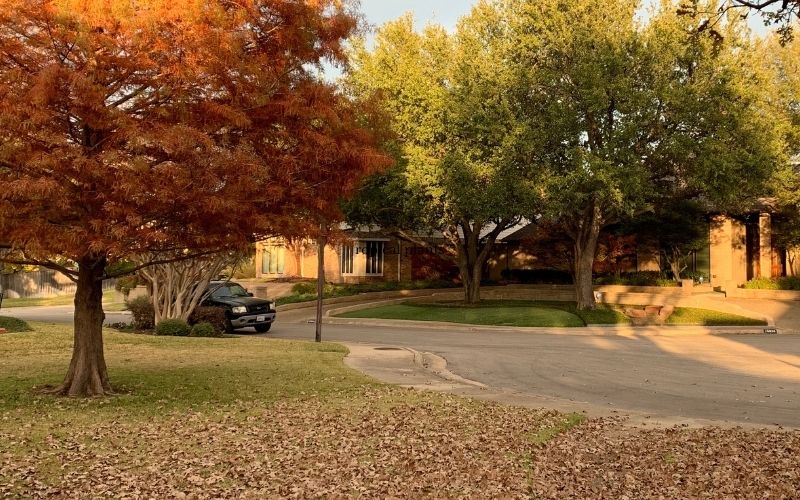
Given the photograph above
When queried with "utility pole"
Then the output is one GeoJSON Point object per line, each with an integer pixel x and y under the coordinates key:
{"type": "Point", "coordinates": [321, 242]}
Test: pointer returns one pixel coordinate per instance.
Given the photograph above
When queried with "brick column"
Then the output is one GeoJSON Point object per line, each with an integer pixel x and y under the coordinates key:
{"type": "Point", "coordinates": [765, 244]}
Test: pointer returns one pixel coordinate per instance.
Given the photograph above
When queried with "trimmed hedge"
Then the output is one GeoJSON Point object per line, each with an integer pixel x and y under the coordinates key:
{"type": "Point", "coordinates": [538, 276]}
{"type": "Point", "coordinates": [173, 328]}
{"type": "Point", "coordinates": [784, 283]}
{"type": "Point", "coordinates": [204, 329]}
{"type": "Point", "coordinates": [639, 278]}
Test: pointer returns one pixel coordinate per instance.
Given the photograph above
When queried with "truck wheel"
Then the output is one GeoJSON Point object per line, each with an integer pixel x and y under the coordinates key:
{"type": "Point", "coordinates": [228, 326]}
{"type": "Point", "coordinates": [263, 328]}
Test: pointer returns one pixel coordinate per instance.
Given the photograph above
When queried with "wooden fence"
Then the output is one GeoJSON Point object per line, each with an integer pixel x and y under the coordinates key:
{"type": "Point", "coordinates": [41, 283]}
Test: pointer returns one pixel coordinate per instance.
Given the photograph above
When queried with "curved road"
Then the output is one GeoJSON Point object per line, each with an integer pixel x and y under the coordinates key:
{"type": "Point", "coordinates": [749, 379]}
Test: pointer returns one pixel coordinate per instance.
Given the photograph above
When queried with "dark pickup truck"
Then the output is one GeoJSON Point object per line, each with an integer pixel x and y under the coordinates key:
{"type": "Point", "coordinates": [242, 310]}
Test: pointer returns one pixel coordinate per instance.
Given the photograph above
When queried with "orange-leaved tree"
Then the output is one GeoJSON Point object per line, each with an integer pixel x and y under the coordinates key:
{"type": "Point", "coordinates": [173, 128]}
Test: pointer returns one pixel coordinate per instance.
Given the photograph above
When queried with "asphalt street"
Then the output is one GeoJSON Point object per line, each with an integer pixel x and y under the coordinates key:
{"type": "Point", "coordinates": [748, 379]}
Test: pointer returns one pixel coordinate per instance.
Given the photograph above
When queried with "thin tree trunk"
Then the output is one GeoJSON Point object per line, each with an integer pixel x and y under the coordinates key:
{"type": "Point", "coordinates": [87, 374]}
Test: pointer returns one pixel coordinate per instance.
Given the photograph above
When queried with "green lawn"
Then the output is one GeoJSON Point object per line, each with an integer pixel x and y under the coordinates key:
{"type": "Point", "coordinates": [247, 417]}
{"type": "Point", "coordinates": [537, 313]}
{"type": "Point", "coordinates": [60, 300]}
{"type": "Point", "coordinates": [704, 317]}
{"type": "Point", "coordinates": [488, 312]}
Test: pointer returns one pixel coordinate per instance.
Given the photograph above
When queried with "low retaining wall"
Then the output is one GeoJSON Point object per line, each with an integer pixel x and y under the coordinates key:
{"type": "Point", "coordinates": [746, 293]}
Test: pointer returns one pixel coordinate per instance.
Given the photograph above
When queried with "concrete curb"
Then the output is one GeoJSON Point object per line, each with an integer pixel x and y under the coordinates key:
{"type": "Point", "coordinates": [611, 330]}
{"type": "Point", "coordinates": [437, 365]}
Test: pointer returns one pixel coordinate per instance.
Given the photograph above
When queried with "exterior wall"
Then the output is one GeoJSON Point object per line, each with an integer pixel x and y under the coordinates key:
{"type": "Point", "coordinates": [765, 242]}
{"type": "Point", "coordinates": [300, 260]}
{"type": "Point", "coordinates": [729, 255]}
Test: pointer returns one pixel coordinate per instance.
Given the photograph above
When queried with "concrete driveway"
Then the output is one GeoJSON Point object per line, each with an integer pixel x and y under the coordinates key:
{"type": "Point", "coordinates": [747, 379]}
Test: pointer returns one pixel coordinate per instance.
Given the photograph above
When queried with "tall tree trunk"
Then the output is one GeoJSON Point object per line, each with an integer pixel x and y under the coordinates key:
{"type": "Point", "coordinates": [586, 237]}
{"type": "Point", "coordinates": [87, 374]}
{"type": "Point", "coordinates": [471, 278]}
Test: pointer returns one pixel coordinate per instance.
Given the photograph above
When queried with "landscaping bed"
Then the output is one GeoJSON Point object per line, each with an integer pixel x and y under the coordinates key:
{"type": "Point", "coordinates": [523, 313]}
{"type": "Point", "coordinates": [306, 291]}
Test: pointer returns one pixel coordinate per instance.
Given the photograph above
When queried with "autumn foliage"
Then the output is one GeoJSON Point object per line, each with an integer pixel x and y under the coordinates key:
{"type": "Point", "coordinates": [152, 126]}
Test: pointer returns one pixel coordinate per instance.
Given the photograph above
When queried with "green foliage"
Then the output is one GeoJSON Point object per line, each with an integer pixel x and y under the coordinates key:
{"type": "Point", "coordinates": [538, 276]}
{"type": "Point", "coordinates": [205, 329]}
{"type": "Point", "coordinates": [142, 312]}
{"type": "Point", "coordinates": [307, 291]}
{"type": "Point", "coordinates": [14, 325]}
{"type": "Point", "coordinates": [454, 135]}
{"type": "Point", "coordinates": [784, 283]}
{"type": "Point", "coordinates": [173, 328]}
{"type": "Point", "coordinates": [637, 278]}
{"type": "Point", "coordinates": [208, 314]}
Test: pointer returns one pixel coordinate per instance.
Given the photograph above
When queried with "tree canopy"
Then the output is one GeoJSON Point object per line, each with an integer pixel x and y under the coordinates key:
{"type": "Point", "coordinates": [624, 117]}
{"type": "Point", "coordinates": [153, 127]}
{"type": "Point", "coordinates": [454, 136]}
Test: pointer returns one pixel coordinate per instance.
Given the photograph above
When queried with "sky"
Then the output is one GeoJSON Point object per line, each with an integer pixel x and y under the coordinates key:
{"type": "Point", "coordinates": [444, 12]}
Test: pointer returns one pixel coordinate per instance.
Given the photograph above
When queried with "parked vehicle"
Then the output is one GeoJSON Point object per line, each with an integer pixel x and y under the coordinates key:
{"type": "Point", "coordinates": [242, 310]}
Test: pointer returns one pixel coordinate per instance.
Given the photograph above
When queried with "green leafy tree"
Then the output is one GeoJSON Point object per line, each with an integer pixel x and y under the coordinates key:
{"type": "Point", "coordinates": [626, 117]}
{"type": "Point", "coordinates": [454, 136]}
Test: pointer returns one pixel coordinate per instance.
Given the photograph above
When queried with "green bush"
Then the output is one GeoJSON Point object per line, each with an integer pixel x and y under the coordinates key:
{"type": "Point", "coordinates": [304, 288]}
{"type": "Point", "coordinates": [215, 316]}
{"type": "Point", "coordinates": [173, 328]}
{"type": "Point", "coordinates": [14, 325]}
{"type": "Point", "coordinates": [142, 312]}
{"type": "Point", "coordinates": [638, 278]}
{"type": "Point", "coordinates": [784, 283]}
{"type": "Point", "coordinates": [307, 290]}
{"type": "Point", "coordinates": [538, 276]}
{"type": "Point", "coordinates": [205, 329]}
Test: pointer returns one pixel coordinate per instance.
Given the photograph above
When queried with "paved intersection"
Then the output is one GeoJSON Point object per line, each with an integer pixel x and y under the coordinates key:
{"type": "Point", "coordinates": [748, 379]}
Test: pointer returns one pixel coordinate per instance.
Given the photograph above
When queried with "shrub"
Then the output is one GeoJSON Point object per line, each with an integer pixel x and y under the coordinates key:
{"type": "Point", "coordinates": [784, 283]}
{"type": "Point", "coordinates": [14, 325]}
{"type": "Point", "coordinates": [173, 328]}
{"type": "Point", "coordinates": [304, 288]}
{"type": "Point", "coordinates": [142, 311]}
{"type": "Point", "coordinates": [204, 329]}
{"type": "Point", "coordinates": [215, 316]}
{"type": "Point", "coordinates": [538, 276]}
{"type": "Point", "coordinates": [637, 278]}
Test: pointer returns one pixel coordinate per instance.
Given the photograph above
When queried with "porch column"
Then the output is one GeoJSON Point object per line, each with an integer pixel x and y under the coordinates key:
{"type": "Point", "coordinates": [765, 244]}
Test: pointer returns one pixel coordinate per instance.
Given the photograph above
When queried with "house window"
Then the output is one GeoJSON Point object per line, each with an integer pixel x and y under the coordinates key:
{"type": "Point", "coordinates": [374, 256]}
{"type": "Point", "coordinates": [346, 259]}
{"type": "Point", "coordinates": [273, 259]}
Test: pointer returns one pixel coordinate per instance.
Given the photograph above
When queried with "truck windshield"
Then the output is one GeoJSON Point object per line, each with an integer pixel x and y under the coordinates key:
{"type": "Point", "coordinates": [229, 291]}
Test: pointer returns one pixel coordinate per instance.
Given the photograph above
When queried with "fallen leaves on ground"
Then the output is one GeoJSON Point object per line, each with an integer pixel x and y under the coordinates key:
{"type": "Point", "coordinates": [606, 459]}
{"type": "Point", "coordinates": [389, 443]}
